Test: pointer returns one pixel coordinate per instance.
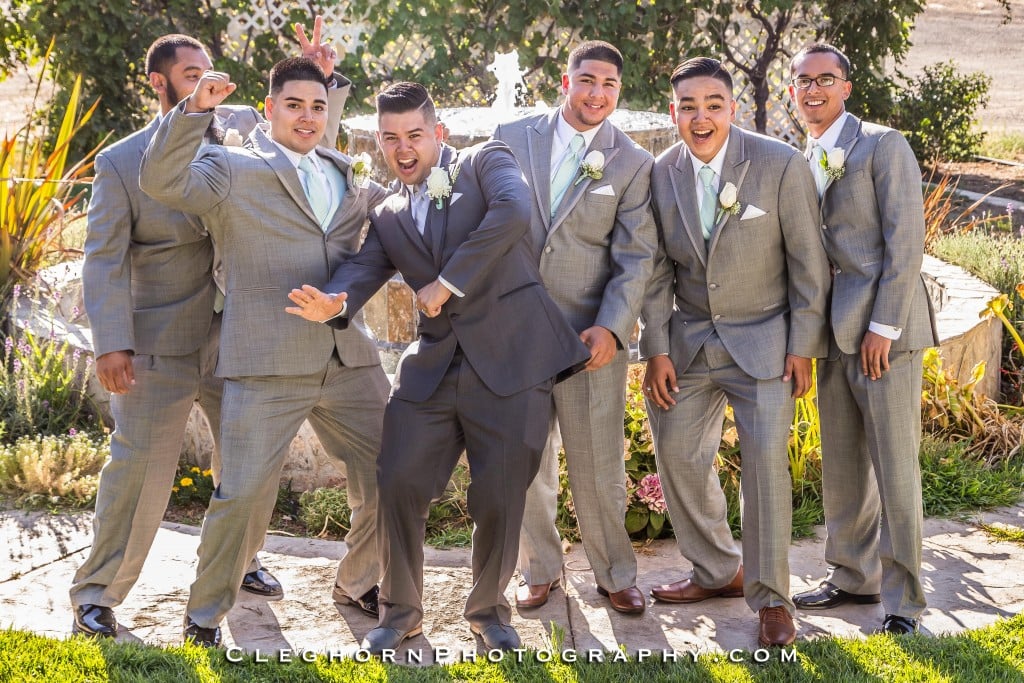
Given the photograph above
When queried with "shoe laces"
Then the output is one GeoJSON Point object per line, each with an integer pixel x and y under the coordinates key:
{"type": "Point", "coordinates": [774, 614]}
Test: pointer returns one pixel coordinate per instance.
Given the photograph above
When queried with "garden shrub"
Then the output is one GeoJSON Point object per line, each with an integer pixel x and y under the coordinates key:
{"type": "Point", "coordinates": [937, 111]}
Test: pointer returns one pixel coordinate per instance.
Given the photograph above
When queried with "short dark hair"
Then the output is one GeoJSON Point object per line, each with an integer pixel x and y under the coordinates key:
{"type": "Point", "coordinates": [697, 67]}
{"type": "Point", "coordinates": [163, 53]}
{"type": "Point", "coordinates": [405, 96]}
{"type": "Point", "coordinates": [295, 69]}
{"type": "Point", "coordinates": [813, 48]}
{"type": "Point", "coordinates": [596, 49]}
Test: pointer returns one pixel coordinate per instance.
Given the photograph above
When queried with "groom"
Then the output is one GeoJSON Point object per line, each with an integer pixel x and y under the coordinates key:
{"type": "Point", "coordinates": [479, 378]}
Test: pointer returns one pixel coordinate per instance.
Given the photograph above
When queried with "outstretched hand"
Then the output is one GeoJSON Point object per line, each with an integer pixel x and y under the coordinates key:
{"type": "Point", "coordinates": [212, 89]}
{"type": "Point", "coordinates": [314, 305]}
{"type": "Point", "coordinates": [322, 53]}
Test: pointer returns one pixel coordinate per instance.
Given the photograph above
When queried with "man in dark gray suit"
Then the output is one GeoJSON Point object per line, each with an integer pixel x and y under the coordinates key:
{"type": "Point", "coordinates": [275, 227]}
{"type": "Point", "coordinates": [479, 376]}
{"type": "Point", "coordinates": [150, 298]}
{"type": "Point", "coordinates": [734, 313]}
{"type": "Point", "coordinates": [869, 387]}
{"type": "Point", "coordinates": [594, 245]}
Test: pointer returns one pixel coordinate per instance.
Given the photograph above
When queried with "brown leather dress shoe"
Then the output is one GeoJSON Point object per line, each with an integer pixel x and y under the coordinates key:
{"type": "Point", "coordinates": [777, 628]}
{"type": "Point", "coordinates": [628, 600]}
{"type": "Point", "coordinates": [688, 591]}
{"type": "Point", "coordinates": [534, 595]}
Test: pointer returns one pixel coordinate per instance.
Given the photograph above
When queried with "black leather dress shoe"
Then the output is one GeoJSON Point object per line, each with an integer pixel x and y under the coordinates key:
{"type": "Point", "coordinates": [95, 620]}
{"type": "Point", "coordinates": [205, 637]}
{"type": "Point", "coordinates": [827, 595]}
{"type": "Point", "coordinates": [262, 582]}
{"type": "Point", "coordinates": [498, 636]}
{"type": "Point", "coordinates": [899, 625]}
{"type": "Point", "coordinates": [367, 602]}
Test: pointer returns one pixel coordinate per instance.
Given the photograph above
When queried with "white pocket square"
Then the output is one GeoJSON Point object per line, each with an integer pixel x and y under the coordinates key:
{"type": "Point", "coordinates": [604, 189]}
{"type": "Point", "coordinates": [752, 212]}
{"type": "Point", "coordinates": [455, 197]}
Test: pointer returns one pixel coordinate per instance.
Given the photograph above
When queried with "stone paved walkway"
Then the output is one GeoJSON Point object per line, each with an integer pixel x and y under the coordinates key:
{"type": "Point", "coordinates": [971, 580]}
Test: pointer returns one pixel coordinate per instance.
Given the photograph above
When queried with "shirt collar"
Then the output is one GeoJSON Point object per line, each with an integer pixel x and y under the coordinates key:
{"type": "Point", "coordinates": [830, 137]}
{"type": "Point", "coordinates": [564, 133]}
{"type": "Point", "coordinates": [716, 164]}
{"type": "Point", "coordinates": [295, 157]}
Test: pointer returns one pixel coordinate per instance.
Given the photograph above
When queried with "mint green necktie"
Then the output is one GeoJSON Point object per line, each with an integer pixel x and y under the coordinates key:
{"type": "Point", "coordinates": [707, 205]}
{"type": "Point", "coordinates": [313, 184]}
{"type": "Point", "coordinates": [566, 172]}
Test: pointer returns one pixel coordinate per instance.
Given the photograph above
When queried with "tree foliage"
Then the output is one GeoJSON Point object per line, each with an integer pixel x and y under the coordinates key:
{"type": "Point", "coordinates": [106, 42]}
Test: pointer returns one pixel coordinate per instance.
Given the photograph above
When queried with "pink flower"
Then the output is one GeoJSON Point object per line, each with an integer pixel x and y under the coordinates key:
{"type": "Point", "coordinates": [650, 494]}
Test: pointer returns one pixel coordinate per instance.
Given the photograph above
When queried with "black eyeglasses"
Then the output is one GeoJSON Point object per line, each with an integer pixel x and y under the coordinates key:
{"type": "Point", "coordinates": [826, 81]}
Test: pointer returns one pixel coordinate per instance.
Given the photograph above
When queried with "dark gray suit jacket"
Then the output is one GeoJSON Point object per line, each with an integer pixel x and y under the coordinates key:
{"type": "Point", "coordinates": [506, 324]}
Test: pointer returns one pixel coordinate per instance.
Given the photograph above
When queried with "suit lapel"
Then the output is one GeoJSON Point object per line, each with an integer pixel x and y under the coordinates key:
{"type": "Point", "coordinates": [604, 141]}
{"type": "Point", "coordinates": [848, 137]}
{"type": "Point", "coordinates": [538, 142]}
{"type": "Point", "coordinates": [437, 218]}
{"type": "Point", "coordinates": [684, 188]}
{"type": "Point", "coordinates": [734, 170]}
{"type": "Point", "coordinates": [264, 147]}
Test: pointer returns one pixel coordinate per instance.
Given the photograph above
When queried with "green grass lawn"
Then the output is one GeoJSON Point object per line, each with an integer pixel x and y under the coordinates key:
{"type": "Point", "coordinates": [989, 655]}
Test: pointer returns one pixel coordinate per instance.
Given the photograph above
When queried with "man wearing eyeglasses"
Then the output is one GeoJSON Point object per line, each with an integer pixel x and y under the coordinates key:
{"type": "Point", "coordinates": [872, 222]}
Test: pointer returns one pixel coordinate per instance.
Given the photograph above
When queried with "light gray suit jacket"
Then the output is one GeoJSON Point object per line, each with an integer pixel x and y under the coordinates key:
{"type": "Point", "coordinates": [761, 283]}
{"type": "Point", "coordinates": [147, 273]}
{"type": "Point", "coordinates": [873, 229]}
{"type": "Point", "coordinates": [506, 325]}
{"type": "Point", "coordinates": [252, 202]}
{"type": "Point", "coordinates": [596, 254]}
{"type": "Point", "coordinates": [146, 278]}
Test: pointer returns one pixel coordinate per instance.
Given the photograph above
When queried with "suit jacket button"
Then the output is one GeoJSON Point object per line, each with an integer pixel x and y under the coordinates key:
{"type": "Point", "coordinates": [548, 250]}
{"type": "Point", "coordinates": [718, 317]}
{"type": "Point", "coordinates": [824, 227]}
{"type": "Point", "coordinates": [712, 286]}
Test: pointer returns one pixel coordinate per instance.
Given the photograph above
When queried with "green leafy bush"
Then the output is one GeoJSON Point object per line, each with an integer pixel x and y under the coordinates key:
{"type": "Point", "coordinates": [325, 511]}
{"type": "Point", "coordinates": [53, 468]}
{"type": "Point", "coordinates": [936, 111]}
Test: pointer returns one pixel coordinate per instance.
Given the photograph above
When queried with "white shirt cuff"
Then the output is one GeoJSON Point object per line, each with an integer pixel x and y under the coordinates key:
{"type": "Point", "coordinates": [887, 331]}
{"type": "Point", "coordinates": [450, 287]}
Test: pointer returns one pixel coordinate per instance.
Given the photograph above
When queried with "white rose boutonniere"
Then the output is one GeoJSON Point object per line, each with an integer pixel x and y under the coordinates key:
{"type": "Point", "coordinates": [592, 167]}
{"type": "Point", "coordinates": [232, 138]}
{"type": "Point", "coordinates": [439, 184]}
{"type": "Point", "coordinates": [362, 168]}
{"type": "Point", "coordinates": [834, 163]}
{"type": "Point", "coordinates": [727, 199]}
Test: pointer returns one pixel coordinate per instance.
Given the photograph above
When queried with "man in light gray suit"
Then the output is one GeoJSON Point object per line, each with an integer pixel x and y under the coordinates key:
{"type": "Point", "coordinates": [479, 376]}
{"type": "Point", "coordinates": [150, 299]}
{"type": "Point", "coordinates": [734, 313]}
{"type": "Point", "coordinates": [869, 388]}
{"type": "Point", "coordinates": [594, 240]}
{"type": "Point", "coordinates": [275, 227]}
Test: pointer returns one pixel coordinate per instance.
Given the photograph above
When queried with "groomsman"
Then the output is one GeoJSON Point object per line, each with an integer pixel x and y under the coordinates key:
{"type": "Point", "coordinates": [734, 313]}
{"type": "Point", "coordinates": [281, 210]}
{"type": "Point", "coordinates": [869, 387]}
{"type": "Point", "coordinates": [479, 377]}
{"type": "Point", "coordinates": [594, 240]}
{"type": "Point", "coordinates": [150, 297]}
